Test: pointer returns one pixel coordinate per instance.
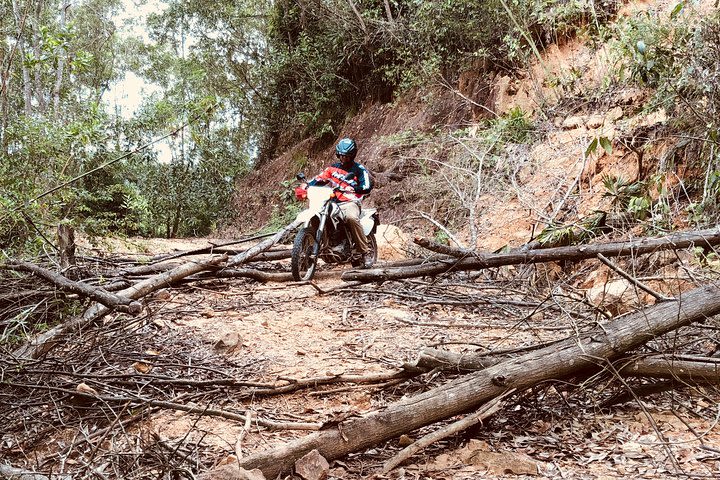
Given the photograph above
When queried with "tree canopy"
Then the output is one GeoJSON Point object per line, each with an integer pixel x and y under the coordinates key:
{"type": "Point", "coordinates": [235, 82]}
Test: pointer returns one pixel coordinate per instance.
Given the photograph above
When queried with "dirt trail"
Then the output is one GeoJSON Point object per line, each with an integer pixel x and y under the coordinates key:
{"type": "Point", "coordinates": [290, 331]}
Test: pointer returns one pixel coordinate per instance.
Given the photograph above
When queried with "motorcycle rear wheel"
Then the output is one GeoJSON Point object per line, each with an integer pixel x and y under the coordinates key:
{"type": "Point", "coordinates": [302, 264]}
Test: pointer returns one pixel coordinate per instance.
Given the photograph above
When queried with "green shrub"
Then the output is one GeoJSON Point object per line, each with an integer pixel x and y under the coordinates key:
{"type": "Point", "coordinates": [327, 61]}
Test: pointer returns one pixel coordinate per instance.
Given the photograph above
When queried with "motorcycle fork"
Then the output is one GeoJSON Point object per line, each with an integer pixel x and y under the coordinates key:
{"type": "Point", "coordinates": [320, 231]}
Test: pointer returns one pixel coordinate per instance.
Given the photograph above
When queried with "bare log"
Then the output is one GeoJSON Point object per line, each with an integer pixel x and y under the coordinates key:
{"type": "Point", "coordinates": [262, 246]}
{"type": "Point", "coordinates": [9, 472]}
{"type": "Point", "coordinates": [685, 369]}
{"type": "Point", "coordinates": [166, 265]}
{"type": "Point", "coordinates": [42, 343]}
{"type": "Point", "coordinates": [210, 249]}
{"type": "Point", "coordinates": [690, 369]}
{"type": "Point", "coordinates": [560, 360]}
{"type": "Point", "coordinates": [110, 300]}
{"type": "Point", "coordinates": [704, 238]}
{"type": "Point", "coordinates": [487, 410]}
{"type": "Point", "coordinates": [430, 358]}
{"type": "Point", "coordinates": [436, 247]}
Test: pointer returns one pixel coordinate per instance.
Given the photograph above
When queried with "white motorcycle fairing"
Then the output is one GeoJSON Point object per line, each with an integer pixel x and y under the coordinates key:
{"type": "Point", "coordinates": [316, 198]}
{"type": "Point", "coordinates": [366, 220]}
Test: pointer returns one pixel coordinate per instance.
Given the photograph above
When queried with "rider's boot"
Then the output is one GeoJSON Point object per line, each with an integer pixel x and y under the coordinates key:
{"type": "Point", "coordinates": [367, 260]}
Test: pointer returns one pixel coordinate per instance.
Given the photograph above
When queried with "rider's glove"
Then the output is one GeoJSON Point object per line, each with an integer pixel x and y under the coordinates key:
{"type": "Point", "coordinates": [300, 193]}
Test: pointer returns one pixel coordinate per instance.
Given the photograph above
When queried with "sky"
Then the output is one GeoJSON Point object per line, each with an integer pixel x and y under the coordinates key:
{"type": "Point", "coordinates": [127, 94]}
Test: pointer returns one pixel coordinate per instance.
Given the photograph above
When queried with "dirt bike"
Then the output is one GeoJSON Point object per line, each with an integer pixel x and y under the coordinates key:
{"type": "Point", "coordinates": [324, 234]}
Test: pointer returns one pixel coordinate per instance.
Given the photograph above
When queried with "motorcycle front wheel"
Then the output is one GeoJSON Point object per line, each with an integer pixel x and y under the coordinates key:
{"type": "Point", "coordinates": [302, 262]}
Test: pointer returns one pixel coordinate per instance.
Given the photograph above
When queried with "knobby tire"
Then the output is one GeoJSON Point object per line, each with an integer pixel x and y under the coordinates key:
{"type": "Point", "coordinates": [302, 264]}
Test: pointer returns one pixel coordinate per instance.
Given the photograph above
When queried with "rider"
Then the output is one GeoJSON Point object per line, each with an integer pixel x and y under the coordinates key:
{"type": "Point", "coordinates": [352, 189]}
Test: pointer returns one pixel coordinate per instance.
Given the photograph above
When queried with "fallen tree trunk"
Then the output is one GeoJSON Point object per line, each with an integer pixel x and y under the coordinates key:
{"type": "Point", "coordinates": [683, 369]}
{"type": "Point", "coordinates": [557, 361]}
{"type": "Point", "coordinates": [262, 246]}
{"type": "Point", "coordinates": [110, 300]}
{"type": "Point", "coordinates": [166, 265]}
{"type": "Point", "coordinates": [704, 238]}
{"type": "Point", "coordinates": [42, 343]}
{"type": "Point", "coordinates": [691, 369]}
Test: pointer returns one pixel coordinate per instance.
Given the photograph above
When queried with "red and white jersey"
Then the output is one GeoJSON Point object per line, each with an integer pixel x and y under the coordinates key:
{"type": "Point", "coordinates": [335, 177]}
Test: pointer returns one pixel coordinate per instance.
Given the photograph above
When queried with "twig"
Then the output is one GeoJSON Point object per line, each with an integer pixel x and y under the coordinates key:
{"type": "Point", "coordinates": [243, 432]}
{"type": "Point", "coordinates": [446, 249]}
{"type": "Point", "coordinates": [481, 414]}
{"type": "Point", "coordinates": [633, 280]}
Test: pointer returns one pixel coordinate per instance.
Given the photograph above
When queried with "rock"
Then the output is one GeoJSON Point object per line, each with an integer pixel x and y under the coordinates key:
{"type": "Point", "coordinates": [615, 296]}
{"type": "Point", "coordinates": [85, 388]}
{"type": "Point", "coordinates": [162, 295]}
{"type": "Point", "coordinates": [614, 114]}
{"type": "Point", "coordinates": [312, 466]}
{"type": "Point", "coordinates": [232, 472]}
{"type": "Point", "coordinates": [228, 342]}
{"type": "Point", "coordinates": [142, 367]}
{"type": "Point", "coordinates": [573, 123]}
{"type": "Point", "coordinates": [498, 463]}
{"type": "Point", "coordinates": [405, 441]}
{"type": "Point", "coordinates": [595, 121]}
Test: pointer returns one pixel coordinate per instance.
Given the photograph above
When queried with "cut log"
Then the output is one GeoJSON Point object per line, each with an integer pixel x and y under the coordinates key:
{"type": "Point", "coordinates": [704, 238]}
{"type": "Point", "coordinates": [557, 361]}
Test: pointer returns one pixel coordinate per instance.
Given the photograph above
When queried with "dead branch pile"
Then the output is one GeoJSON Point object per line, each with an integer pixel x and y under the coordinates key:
{"type": "Point", "coordinates": [94, 379]}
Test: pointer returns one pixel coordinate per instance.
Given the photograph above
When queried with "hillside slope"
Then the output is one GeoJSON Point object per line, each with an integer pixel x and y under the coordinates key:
{"type": "Point", "coordinates": [446, 163]}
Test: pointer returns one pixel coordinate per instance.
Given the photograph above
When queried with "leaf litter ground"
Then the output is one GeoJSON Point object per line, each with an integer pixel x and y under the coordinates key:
{"type": "Point", "coordinates": [265, 335]}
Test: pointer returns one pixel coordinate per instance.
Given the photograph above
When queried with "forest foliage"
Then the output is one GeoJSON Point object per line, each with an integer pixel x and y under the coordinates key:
{"type": "Point", "coordinates": [234, 82]}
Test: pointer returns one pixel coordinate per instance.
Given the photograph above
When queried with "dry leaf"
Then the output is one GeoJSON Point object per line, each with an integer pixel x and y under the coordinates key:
{"type": "Point", "coordinates": [85, 388]}
{"type": "Point", "coordinates": [142, 367]}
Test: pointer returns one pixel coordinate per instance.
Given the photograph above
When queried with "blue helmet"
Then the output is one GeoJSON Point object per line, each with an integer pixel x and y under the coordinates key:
{"type": "Point", "coordinates": [346, 146]}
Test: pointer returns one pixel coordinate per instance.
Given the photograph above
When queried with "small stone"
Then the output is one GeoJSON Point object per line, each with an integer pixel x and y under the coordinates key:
{"type": "Point", "coordinates": [228, 342]}
{"type": "Point", "coordinates": [572, 123]}
{"type": "Point", "coordinates": [163, 295]}
{"type": "Point", "coordinates": [405, 441]}
{"type": "Point", "coordinates": [595, 121]}
{"type": "Point", "coordinates": [312, 466]}
{"type": "Point", "coordinates": [614, 114]}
